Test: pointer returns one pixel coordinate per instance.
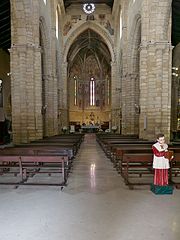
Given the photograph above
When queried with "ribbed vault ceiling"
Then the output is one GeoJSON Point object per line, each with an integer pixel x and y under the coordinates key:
{"type": "Point", "coordinates": [88, 43]}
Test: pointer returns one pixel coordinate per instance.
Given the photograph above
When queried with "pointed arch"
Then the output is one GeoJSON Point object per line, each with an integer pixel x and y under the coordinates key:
{"type": "Point", "coordinates": [96, 28]}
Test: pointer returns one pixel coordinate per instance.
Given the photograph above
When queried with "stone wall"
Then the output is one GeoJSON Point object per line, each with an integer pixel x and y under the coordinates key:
{"type": "Point", "coordinates": [34, 70]}
{"type": "Point", "coordinates": [146, 75]}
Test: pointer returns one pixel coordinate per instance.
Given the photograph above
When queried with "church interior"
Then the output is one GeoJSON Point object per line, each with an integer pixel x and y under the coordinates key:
{"type": "Point", "coordinates": [86, 86]}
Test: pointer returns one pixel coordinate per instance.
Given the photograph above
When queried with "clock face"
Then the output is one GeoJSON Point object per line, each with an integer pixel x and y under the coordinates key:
{"type": "Point", "coordinates": [88, 8]}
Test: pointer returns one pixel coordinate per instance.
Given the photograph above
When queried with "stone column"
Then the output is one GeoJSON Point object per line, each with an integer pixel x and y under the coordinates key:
{"type": "Point", "coordinates": [115, 97]}
{"type": "Point", "coordinates": [65, 96]}
{"type": "Point", "coordinates": [125, 79]}
{"type": "Point", "coordinates": [155, 89]}
{"type": "Point", "coordinates": [26, 88]}
{"type": "Point", "coordinates": [130, 104]}
{"type": "Point", "coordinates": [37, 94]}
{"type": "Point", "coordinates": [52, 89]}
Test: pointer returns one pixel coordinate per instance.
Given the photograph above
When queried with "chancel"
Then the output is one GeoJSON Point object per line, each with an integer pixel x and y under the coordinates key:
{"type": "Point", "coordinates": [86, 89]}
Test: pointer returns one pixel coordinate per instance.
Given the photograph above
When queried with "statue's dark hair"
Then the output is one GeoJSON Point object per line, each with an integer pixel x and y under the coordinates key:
{"type": "Point", "coordinates": [160, 135]}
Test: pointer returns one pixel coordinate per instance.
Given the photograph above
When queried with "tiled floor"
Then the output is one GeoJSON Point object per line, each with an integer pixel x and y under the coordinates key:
{"type": "Point", "coordinates": [96, 205]}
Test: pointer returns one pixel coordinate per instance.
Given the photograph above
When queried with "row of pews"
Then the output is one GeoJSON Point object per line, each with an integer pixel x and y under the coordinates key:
{"type": "Point", "coordinates": [132, 158]}
{"type": "Point", "coordinates": [43, 162]}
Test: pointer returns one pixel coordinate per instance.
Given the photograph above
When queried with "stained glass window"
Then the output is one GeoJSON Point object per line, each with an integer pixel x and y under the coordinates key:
{"type": "Point", "coordinates": [75, 91]}
{"type": "Point", "coordinates": [92, 92]}
{"type": "Point", "coordinates": [108, 91]}
{"type": "Point", "coordinates": [57, 24]}
{"type": "Point", "coordinates": [120, 25]}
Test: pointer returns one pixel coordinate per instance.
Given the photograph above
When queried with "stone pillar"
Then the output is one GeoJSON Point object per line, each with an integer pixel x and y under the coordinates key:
{"type": "Point", "coordinates": [115, 97]}
{"type": "Point", "coordinates": [64, 96]}
{"type": "Point", "coordinates": [52, 106]}
{"type": "Point", "coordinates": [26, 88]}
{"type": "Point", "coordinates": [55, 106]}
{"type": "Point", "coordinates": [155, 89]}
{"type": "Point", "coordinates": [52, 89]}
{"type": "Point", "coordinates": [130, 103]}
{"type": "Point", "coordinates": [125, 80]}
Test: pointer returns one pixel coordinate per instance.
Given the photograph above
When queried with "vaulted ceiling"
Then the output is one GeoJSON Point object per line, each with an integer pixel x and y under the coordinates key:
{"type": "Point", "coordinates": [89, 43]}
{"type": "Point", "coordinates": [67, 3]}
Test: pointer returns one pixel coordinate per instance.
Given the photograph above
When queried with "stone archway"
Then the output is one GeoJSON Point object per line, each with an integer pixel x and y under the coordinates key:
{"type": "Point", "coordinates": [96, 28]}
{"type": "Point", "coordinates": [89, 71]}
{"type": "Point", "coordinates": [107, 40]}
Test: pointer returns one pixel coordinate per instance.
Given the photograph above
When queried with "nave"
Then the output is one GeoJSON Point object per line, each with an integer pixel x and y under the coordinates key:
{"type": "Point", "coordinates": [96, 205]}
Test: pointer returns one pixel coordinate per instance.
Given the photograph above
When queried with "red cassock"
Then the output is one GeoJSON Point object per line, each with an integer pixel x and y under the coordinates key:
{"type": "Point", "coordinates": [160, 164]}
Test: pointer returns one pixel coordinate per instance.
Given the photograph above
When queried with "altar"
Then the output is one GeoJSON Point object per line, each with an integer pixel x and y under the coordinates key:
{"type": "Point", "coordinates": [90, 129]}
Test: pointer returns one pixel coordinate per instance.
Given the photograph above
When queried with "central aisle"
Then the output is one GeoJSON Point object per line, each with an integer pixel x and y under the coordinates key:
{"type": "Point", "coordinates": [92, 171]}
{"type": "Point", "coordinates": [96, 205]}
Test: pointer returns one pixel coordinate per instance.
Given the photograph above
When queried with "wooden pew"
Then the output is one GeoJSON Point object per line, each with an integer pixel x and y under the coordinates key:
{"type": "Point", "coordinates": [42, 147]}
{"type": "Point", "coordinates": [140, 164]}
{"type": "Point", "coordinates": [175, 169]}
{"type": "Point", "coordinates": [117, 150]}
{"type": "Point", "coordinates": [102, 138]}
{"type": "Point", "coordinates": [32, 158]}
{"type": "Point", "coordinates": [137, 164]}
{"type": "Point", "coordinates": [77, 139]}
{"type": "Point", "coordinates": [110, 147]}
{"type": "Point", "coordinates": [120, 151]}
{"type": "Point", "coordinates": [133, 159]}
{"type": "Point", "coordinates": [108, 142]}
{"type": "Point", "coordinates": [71, 147]}
{"type": "Point", "coordinates": [28, 165]}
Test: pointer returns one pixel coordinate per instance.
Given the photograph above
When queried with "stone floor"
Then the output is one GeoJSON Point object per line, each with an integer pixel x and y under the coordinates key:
{"type": "Point", "coordinates": [96, 205]}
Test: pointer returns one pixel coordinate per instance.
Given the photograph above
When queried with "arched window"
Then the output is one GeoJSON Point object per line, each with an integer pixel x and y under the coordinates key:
{"type": "Point", "coordinates": [75, 91]}
{"type": "Point", "coordinates": [92, 92]}
{"type": "Point", "coordinates": [108, 91]}
{"type": "Point", "coordinates": [120, 25]}
{"type": "Point", "coordinates": [57, 23]}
